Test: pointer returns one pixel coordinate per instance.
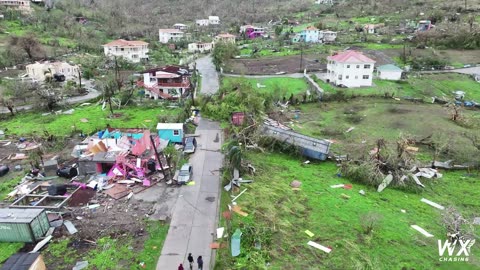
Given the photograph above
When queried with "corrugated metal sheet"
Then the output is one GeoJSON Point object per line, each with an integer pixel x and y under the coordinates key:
{"type": "Point", "coordinates": [312, 147]}
{"type": "Point", "coordinates": [22, 225]}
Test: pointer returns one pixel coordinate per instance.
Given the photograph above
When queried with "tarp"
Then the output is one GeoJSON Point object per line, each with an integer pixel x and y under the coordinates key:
{"type": "Point", "coordinates": [235, 246]}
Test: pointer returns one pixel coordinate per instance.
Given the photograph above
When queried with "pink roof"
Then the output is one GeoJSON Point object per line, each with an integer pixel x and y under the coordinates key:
{"type": "Point", "coordinates": [125, 43]}
{"type": "Point", "coordinates": [227, 35]}
{"type": "Point", "coordinates": [350, 57]}
{"type": "Point", "coordinates": [169, 31]}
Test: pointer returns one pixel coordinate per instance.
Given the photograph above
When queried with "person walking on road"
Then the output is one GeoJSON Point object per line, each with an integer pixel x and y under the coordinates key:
{"type": "Point", "coordinates": [200, 263]}
{"type": "Point", "coordinates": [190, 260]}
{"type": "Point", "coordinates": [180, 267]}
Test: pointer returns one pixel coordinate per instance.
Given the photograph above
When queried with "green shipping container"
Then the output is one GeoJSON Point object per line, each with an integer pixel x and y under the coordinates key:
{"type": "Point", "coordinates": [23, 225]}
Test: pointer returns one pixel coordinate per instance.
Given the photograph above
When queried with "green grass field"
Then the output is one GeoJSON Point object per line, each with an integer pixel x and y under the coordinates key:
{"type": "Point", "coordinates": [278, 216]}
{"type": "Point", "coordinates": [61, 125]}
{"type": "Point", "coordinates": [387, 119]}
{"type": "Point", "coordinates": [111, 253]}
{"type": "Point", "coordinates": [282, 86]}
{"type": "Point", "coordinates": [420, 86]}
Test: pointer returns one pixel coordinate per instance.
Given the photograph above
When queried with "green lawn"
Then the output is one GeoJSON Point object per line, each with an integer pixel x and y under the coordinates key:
{"type": "Point", "coordinates": [111, 253]}
{"type": "Point", "coordinates": [281, 86]}
{"type": "Point", "coordinates": [7, 250]}
{"type": "Point", "coordinates": [387, 119]}
{"type": "Point", "coordinates": [421, 86]}
{"type": "Point", "coordinates": [278, 216]}
{"type": "Point", "coordinates": [61, 125]}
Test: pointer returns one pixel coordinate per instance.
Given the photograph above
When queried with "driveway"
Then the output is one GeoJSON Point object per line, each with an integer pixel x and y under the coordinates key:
{"type": "Point", "coordinates": [469, 71]}
{"type": "Point", "coordinates": [195, 214]}
{"type": "Point", "coordinates": [210, 83]}
{"type": "Point", "coordinates": [92, 93]}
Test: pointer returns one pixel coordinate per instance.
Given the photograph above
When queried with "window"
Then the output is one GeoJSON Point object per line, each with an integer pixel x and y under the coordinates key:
{"type": "Point", "coordinates": [122, 49]}
{"type": "Point", "coordinates": [365, 77]}
{"type": "Point", "coordinates": [366, 66]}
{"type": "Point", "coordinates": [176, 132]}
{"type": "Point", "coordinates": [356, 77]}
{"type": "Point", "coordinates": [346, 77]}
{"type": "Point", "coordinates": [339, 77]}
{"type": "Point", "coordinates": [358, 66]}
{"type": "Point", "coordinates": [348, 66]}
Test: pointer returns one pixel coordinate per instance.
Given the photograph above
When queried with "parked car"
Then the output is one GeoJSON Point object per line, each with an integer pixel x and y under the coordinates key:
{"type": "Point", "coordinates": [190, 145]}
{"type": "Point", "coordinates": [185, 174]}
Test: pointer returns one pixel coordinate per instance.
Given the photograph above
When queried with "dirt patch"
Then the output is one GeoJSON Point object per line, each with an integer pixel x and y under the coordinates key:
{"type": "Point", "coordinates": [81, 197]}
{"type": "Point", "coordinates": [265, 66]}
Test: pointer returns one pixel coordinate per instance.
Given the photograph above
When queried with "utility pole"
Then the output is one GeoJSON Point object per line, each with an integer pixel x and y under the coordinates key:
{"type": "Point", "coordinates": [194, 88]}
{"type": "Point", "coordinates": [158, 157]}
{"type": "Point", "coordinates": [301, 56]}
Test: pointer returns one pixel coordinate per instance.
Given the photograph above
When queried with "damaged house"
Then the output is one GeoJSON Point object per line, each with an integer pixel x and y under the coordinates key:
{"type": "Point", "coordinates": [169, 82]}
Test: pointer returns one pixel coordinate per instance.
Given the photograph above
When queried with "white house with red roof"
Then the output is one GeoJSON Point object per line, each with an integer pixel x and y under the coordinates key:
{"type": "Point", "coordinates": [350, 68]}
{"type": "Point", "coordinates": [169, 35]}
{"type": "Point", "coordinates": [132, 50]}
{"type": "Point", "coordinates": [226, 38]}
{"type": "Point", "coordinates": [167, 82]}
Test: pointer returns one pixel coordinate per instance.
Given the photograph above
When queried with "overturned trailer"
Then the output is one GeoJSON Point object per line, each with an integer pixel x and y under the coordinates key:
{"type": "Point", "coordinates": [309, 147]}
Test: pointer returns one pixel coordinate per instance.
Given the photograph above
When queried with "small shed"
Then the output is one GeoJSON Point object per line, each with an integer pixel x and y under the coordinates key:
{"type": "Point", "coordinates": [25, 261]}
{"type": "Point", "coordinates": [171, 131]}
{"type": "Point", "coordinates": [23, 225]}
{"type": "Point", "coordinates": [389, 72]}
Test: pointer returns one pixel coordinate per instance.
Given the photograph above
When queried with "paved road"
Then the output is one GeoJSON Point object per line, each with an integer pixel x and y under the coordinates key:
{"type": "Point", "coordinates": [92, 93]}
{"type": "Point", "coordinates": [470, 70]}
{"type": "Point", "coordinates": [195, 214]}
{"type": "Point", "coordinates": [210, 83]}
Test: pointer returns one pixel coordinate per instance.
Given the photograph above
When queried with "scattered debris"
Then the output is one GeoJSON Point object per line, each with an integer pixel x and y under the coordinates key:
{"type": "Point", "coordinates": [84, 120]}
{"type": "Point", "coordinates": [318, 246]}
{"type": "Point", "coordinates": [80, 265]}
{"type": "Point", "coordinates": [309, 233]}
{"type": "Point", "coordinates": [295, 184]}
{"type": "Point", "coordinates": [385, 183]}
{"type": "Point", "coordinates": [261, 85]}
{"type": "Point", "coordinates": [403, 211]}
{"type": "Point", "coordinates": [220, 232]}
{"type": "Point", "coordinates": [434, 204]}
{"type": "Point", "coordinates": [476, 221]}
{"type": "Point", "coordinates": [237, 209]}
{"type": "Point", "coordinates": [350, 129]}
{"type": "Point", "coordinates": [70, 227]}
{"type": "Point", "coordinates": [215, 245]}
{"type": "Point", "coordinates": [338, 186]}
{"type": "Point", "coordinates": [415, 178]}
{"type": "Point", "coordinates": [306, 162]}
{"type": "Point", "coordinates": [236, 197]}
{"type": "Point", "coordinates": [235, 243]}
{"type": "Point", "coordinates": [421, 230]}
{"type": "Point", "coordinates": [362, 192]}
{"type": "Point", "coordinates": [41, 244]}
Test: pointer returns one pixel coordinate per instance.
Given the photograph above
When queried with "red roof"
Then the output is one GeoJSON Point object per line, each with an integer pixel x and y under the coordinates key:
{"type": "Point", "coordinates": [350, 57]}
{"type": "Point", "coordinates": [125, 43]}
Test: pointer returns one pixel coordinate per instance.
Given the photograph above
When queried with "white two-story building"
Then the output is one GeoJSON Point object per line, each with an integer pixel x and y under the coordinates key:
{"type": "Point", "coordinates": [350, 68]}
{"type": "Point", "coordinates": [169, 35]}
{"type": "Point", "coordinates": [39, 71]}
{"type": "Point", "coordinates": [132, 50]}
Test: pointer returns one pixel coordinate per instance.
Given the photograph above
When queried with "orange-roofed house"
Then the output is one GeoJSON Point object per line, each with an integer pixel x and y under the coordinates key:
{"type": "Point", "coordinates": [169, 35]}
{"type": "Point", "coordinates": [132, 50]}
{"type": "Point", "coordinates": [226, 38]}
{"type": "Point", "coordinates": [350, 68]}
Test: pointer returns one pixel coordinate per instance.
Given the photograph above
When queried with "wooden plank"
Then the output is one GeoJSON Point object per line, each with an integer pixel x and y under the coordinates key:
{"type": "Point", "coordinates": [434, 204]}
{"type": "Point", "coordinates": [421, 230]}
{"type": "Point", "coordinates": [315, 245]}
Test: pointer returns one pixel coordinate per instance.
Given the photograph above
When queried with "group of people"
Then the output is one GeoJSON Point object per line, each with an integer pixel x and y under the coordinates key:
{"type": "Point", "coordinates": [191, 261]}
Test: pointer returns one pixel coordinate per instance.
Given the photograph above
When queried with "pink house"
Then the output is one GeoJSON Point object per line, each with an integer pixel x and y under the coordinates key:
{"type": "Point", "coordinates": [252, 32]}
